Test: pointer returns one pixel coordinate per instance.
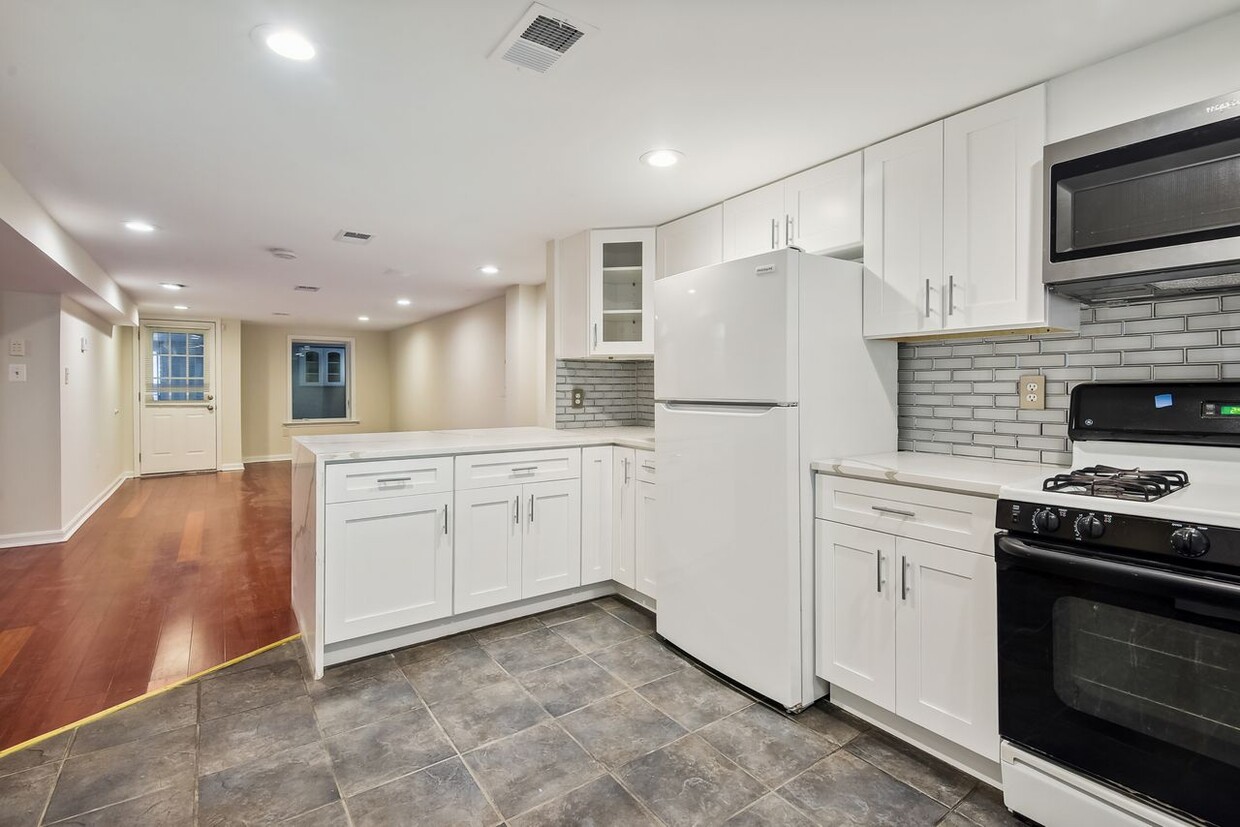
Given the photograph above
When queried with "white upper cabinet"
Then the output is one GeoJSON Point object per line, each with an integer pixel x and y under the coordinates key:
{"type": "Point", "coordinates": [823, 208]}
{"type": "Point", "coordinates": [818, 211]}
{"type": "Point", "coordinates": [904, 234]}
{"type": "Point", "coordinates": [604, 288]}
{"type": "Point", "coordinates": [992, 158]}
{"type": "Point", "coordinates": [754, 222]}
{"type": "Point", "coordinates": [953, 226]}
{"type": "Point", "coordinates": [690, 242]}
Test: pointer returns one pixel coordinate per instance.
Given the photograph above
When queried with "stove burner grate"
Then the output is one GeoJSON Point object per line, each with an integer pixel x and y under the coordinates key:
{"type": "Point", "coordinates": [1118, 483]}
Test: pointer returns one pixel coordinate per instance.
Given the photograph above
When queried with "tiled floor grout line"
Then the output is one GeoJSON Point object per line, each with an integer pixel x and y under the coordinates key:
{"type": "Point", "coordinates": [56, 782]}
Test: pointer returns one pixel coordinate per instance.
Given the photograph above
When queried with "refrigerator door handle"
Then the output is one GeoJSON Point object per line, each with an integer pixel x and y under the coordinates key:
{"type": "Point", "coordinates": [751, 408]}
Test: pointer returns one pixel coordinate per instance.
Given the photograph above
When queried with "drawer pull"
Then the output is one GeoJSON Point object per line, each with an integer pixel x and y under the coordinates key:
{"type": "Point", "coordinates": [649, 466]}
{"type": "Point", "coordinates": [524, 468]}
{"type": "Point", "coordinates": [897, 511]}
{"type": "Point", "coordinates": [394, 480]}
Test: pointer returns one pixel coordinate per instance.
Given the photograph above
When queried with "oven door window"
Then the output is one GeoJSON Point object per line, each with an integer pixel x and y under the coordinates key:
{"type": "Point", "coordinates": [1123, 679]}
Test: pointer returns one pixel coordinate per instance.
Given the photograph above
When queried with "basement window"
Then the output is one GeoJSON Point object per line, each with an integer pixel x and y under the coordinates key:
{"type": "Point", "coordinates": [320, 379]}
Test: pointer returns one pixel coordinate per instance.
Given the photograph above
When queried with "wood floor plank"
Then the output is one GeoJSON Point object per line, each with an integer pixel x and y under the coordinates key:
{"type": "Point", "coordinates": [11, 642]}
{"type": "Point", "coordinates": [170, 577]}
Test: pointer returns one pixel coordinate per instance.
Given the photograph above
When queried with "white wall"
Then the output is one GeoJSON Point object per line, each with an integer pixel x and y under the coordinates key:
{"type": "Point", "coordinates": [92, 410]}
{"type": "Point", "coordinates": [30, 416]}
{"type": "Point", "coordinates": [228, 394]}
{"type": "Point", "coordinates": [1197, 64]}
{"type": "Point", "coordinates": [265, 360]}
{"type": "Point", "coordinates": [525, 338]}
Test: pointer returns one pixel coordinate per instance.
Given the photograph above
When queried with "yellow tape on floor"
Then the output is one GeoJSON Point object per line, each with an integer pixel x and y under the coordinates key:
{"type": "Point", "coordinates": [105, 713]}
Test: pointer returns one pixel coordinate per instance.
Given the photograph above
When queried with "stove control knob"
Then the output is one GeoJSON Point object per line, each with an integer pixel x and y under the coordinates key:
{"type": "Point", "coordinates": [1089, 527]}
{"type": "Point", "coordinates": [1046, 520]}
{"type": "Point", "coordinates": [1189, 542]}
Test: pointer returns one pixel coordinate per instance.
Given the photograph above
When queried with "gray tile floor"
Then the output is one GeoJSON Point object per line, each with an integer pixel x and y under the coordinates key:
{"type": "Point", "coordinates": [578, 716]}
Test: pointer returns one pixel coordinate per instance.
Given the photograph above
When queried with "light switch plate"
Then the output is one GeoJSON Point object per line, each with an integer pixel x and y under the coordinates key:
{"type": "Point", "coordinates": [1033, 393]}
{"type": "Point", "coordinates": [17, 347]}
{"type": "Point", "coordinates": [17, 373]}
{"type": "Point", "coordinates": [579, 397]}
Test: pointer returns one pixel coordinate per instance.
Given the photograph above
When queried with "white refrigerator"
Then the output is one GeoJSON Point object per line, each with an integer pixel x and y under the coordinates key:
{"type": "Point", "coordinates": [760, 368]}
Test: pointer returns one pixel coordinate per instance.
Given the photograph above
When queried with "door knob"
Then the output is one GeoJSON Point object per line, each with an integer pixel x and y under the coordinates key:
{"type": "Point", "coordinates": [210, 407]}
{"type": "Point", "coordinates": [210, 397]}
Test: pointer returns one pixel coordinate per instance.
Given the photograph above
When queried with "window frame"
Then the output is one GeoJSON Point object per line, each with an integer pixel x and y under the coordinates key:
{"type": "Point", "coordinates": [350, 364]}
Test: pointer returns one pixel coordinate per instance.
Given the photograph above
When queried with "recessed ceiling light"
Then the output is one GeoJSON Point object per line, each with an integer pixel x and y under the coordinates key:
{"type": "Point", "coordinates": [168, 285]}
{"type": "Point", "coordinates": [662, 158]}
{"type": "Point", "coordinates": [139, 226]}
{"type": "Point", "coordinates": [288, 43]}
{"type": "Point", "coordinates": [179, 307]}
{"type": "Point", "coordinates": [363, 318]}
{"type": "Point", "coordinates": [404, 302]}
{"type": "Point", "coordinates": [488, 269]}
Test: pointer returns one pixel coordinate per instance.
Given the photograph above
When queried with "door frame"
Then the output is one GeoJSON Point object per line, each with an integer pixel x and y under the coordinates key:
{"type": "Point", "coordinates": [216, 354]}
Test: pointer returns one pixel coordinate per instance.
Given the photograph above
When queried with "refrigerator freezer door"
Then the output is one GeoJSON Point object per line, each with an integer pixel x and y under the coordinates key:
{"type": "Point", "coordinates": [729, 556]}
{"type": "Point", "coordinates": [729, 332]}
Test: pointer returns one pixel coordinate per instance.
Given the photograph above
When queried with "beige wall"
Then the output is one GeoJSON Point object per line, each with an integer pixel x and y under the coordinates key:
{"type": "Point", "coordinates": [525, 338]}
{"type": "Point", "coordinates": [30, 416]}
{"type": "Point", "coordinates": [449, 372]}
{"type": "Point", "coordinates": [93, 412]}
{"type": "Point", "coordinates": [265, 385]}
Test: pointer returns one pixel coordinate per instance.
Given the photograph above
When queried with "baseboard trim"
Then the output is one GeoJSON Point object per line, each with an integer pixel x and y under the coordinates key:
{"type": "Point", "coordinates": [232, 466]}
{"type": "Point", "coordinates": [272, 458]}
{"type": "Point", "coordinates": [43, 538]}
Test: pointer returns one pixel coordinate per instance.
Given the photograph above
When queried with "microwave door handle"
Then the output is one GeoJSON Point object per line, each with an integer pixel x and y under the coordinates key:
{"type": "Point", "coordinates": [1068, 564]}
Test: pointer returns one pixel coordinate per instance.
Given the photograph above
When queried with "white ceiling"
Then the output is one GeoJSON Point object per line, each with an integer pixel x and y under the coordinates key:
{"type": "Point", "coordinates": [167, 110]}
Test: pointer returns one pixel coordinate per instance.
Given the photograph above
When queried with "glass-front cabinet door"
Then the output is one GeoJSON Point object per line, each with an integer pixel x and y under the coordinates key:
{"type": "Point", "coordinates": [621, 289]}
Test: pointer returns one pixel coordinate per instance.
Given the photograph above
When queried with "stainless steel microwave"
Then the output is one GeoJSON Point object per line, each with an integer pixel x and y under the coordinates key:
{"type": "Point", "coordinates": [1148, 208]}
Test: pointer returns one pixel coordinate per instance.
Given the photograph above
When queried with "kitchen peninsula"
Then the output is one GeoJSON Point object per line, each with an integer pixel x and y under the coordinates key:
{"type": "Point", "coordinates": [400, 538]}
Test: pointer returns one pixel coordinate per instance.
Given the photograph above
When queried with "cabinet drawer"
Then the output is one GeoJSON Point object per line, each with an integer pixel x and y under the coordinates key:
{"type": "Point", "coordinates": [958, 520]}
{"type": "Point", "coordinates": [645, 466]}
{"type": "Point", "coordinates": [486, 470]}
{"type": "Point", "coordinates": [350, 481]}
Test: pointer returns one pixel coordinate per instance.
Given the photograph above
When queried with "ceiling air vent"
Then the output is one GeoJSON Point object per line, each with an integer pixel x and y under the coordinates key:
{"type": "Point", "coordinates": [281, 253]}
{"type": "Point", "coordinates": [353, 237]}
{"type": "Point", "coordinates": [541, 37]}
{"type": "Point", "coordinates": [306, 288]}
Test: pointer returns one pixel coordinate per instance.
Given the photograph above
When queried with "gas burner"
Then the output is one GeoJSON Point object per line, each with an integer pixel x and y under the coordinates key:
{"type": "Point", "coordinates": [1118, 483]}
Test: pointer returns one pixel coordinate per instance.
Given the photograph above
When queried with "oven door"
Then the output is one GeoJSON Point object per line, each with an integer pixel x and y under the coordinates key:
{"type": "Point", "coordinates": [1126, 673]}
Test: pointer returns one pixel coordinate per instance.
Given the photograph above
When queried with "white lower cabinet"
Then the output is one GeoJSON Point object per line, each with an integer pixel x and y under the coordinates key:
{"type": "Point", "coordinates": [624, 517]}
{"type": "Point", "coordinates": [597, 511]}
{"type": "Point", "coordinates": [390, 564]}
{"type": "Point", "coordinates": [516, 541]}
{"type": "Point", "coordinates": [643, 555]}
{"type": "Point", "coordinates": [551, 546]}
{"type": "Point", "coordinates": [488, 547]}
{"type": "Point", "coordinates": [910, 626]}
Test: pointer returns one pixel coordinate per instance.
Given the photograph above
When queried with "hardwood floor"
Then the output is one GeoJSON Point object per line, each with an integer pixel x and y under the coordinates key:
{"type": "Point", "coordinates": [171, 576]}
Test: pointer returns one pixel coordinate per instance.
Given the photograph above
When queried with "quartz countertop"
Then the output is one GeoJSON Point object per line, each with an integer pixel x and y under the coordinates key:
{"type": "Point", "coordinates": [340, 447]}
{"type": "Point", "coordinates": [965, 475]}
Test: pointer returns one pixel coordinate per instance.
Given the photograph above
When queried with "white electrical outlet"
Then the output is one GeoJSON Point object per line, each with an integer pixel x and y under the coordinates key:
{"type": "Point", "coordinates": [1033, 393]}
{"type": "Point", "coordinates": [17, 373]}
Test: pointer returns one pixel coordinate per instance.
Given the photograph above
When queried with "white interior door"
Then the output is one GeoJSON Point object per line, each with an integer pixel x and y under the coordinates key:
{"type": "Point", "coordinates": [177, 421]}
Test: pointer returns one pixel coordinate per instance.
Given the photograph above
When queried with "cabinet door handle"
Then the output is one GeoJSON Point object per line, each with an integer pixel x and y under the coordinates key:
{"type": "Point", "coordinates": [951, 294]}
{"type": "Point", "coordinates": [596, 330]}
{"type": "Point", "coordinates": [774, 225]}
{"type": "Point", "coordinates": [445, 518]}
{"type": "Point", "coordinates": [897, 511]}
{"type": "Point", "coordinates": [626, 470]}
{"type": "Point", "coordinates": [531, 509]}
{"type": "Point", "coordinates": [904, 578]}
{"type": "Point", "coordinates": [516, 510]}
{"type": "Point", "coordinates": [927, 298]}
{"type": "Point", "coordinates": [788, 230]}
{"type": "Point", "coordinates": [878, 573]}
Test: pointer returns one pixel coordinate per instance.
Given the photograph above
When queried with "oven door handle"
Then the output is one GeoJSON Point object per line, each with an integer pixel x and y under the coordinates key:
{"type": "Point", "coordinates": [1108, 571]}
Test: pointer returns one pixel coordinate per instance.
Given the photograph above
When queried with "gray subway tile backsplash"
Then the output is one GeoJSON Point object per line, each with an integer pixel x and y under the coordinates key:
{"type": "Point", "coordinates": [617, 393]}
{"type": "Point", "coordinates": [960, 397]}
